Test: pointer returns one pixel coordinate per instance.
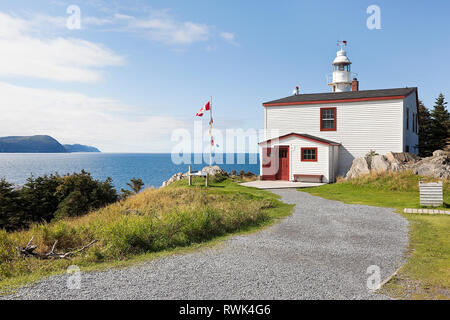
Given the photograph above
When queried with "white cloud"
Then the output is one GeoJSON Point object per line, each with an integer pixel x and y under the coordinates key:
{"type": "Point", "coordinates": [24, 54]}
{"type": "Point", "coordinates": [76, 118]}
{"type": "Point", "coordinates": [166, 29]}
{"type": "Point", "coordinates": [227, 36]}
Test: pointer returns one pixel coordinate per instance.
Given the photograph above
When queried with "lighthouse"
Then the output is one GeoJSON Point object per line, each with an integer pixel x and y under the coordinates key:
{"type": "Point", "coordinates": [341, 78]}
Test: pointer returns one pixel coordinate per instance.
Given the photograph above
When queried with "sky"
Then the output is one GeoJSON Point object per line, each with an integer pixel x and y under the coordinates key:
{"type": "Point", "coordinates": [133, 71]}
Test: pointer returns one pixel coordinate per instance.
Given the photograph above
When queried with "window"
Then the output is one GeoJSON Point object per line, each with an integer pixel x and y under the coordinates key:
{"type": "Point", "coordinates": [407, 119]}
{"type": "Point", "coordinates": [328, 119]}
{"type": "Point", "coordinates": [407, 149]}
{"type": "Point", "coordinates": [309, 154]}
{"type": "Point", "coordinates": [417, 123]}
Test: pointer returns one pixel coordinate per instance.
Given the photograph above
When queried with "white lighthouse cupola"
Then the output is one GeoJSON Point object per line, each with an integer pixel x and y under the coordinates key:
{"type": "Point", "coordinates": [341, 78]}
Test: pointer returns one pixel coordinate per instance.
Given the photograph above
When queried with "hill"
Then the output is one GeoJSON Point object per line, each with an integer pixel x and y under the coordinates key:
{"type": "Point", "coordinates": [40, 144]}
{"type": "Point", "coordinates": [80, 148]}
{"type": "Point", "coordinates": [156, 221]}
{"type": "Point", "coordinates": [31, 144]}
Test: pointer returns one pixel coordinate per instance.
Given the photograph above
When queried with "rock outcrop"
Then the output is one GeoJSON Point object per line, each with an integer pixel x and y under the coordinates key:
{"type": "Point", "coordinates": [212, 171]}
{"type": "Point", "coordinates": [360, 167]}
{"type": "Point", "coordinates": [176, 177]}
{"type": "Point", "coordinates": [437, 166]}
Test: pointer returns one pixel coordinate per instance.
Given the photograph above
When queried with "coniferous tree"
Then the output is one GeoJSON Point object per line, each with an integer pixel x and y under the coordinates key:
{"type": "Point", "coordinates": [10, 211]}
{"type": "Point", "coordinates": [136, 186]}
{"type": "Point", "coordinates": [425, 134]}
{"type": "Point", "coordinates": [440, 125]}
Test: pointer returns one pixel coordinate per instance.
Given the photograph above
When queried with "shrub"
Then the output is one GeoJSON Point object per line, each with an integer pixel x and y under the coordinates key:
{"type": "Point", "coordinates": [220, 177]}
{"type": "Point", "coordinates": [371, 153]}
{"type": "Point", "coordinates": [52, 196]}
{"type": "Point", "coordinates": [79, 193]}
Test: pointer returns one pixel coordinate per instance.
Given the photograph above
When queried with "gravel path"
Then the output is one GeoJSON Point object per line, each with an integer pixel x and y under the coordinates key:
{"type": "Point", "coordinates": [322, 251]}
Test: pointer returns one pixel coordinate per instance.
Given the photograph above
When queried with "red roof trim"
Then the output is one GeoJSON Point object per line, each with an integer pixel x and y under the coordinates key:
{"type": "Point", "coordinates": [299, 136]}
{"type": "Point", "coordinates": [331, 101]}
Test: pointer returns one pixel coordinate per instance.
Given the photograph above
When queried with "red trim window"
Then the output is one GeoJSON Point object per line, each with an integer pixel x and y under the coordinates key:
{"type": "Point", "coordinates": [328, 119]}
{"type": "Point", "coordinates": [309, 154]}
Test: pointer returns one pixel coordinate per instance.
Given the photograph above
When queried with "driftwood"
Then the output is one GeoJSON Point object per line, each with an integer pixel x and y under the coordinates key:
{"type": "Point", "coordinates": [29, 251]}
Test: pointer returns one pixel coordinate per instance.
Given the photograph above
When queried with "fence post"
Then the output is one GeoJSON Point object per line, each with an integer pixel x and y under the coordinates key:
{"type": "Point", "coordinates": [190, 176]}
{"type": "Point", "coordinates": [207, 176]}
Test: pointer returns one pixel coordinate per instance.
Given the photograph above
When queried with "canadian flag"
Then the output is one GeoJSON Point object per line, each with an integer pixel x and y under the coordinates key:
{"type": "Point", "coordinates": [207, 107]}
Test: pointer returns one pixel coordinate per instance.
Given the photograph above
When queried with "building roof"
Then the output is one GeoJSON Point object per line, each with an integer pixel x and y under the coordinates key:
{"type": "Point", "coordinates": [341, 58]}
{"type": "Point", "coordinates": [304, 136]}
{"type": "Point", "coordinates": [350, 96]}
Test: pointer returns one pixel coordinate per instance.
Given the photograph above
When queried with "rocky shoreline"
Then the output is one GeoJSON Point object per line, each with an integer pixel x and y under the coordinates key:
{"type": "Point", "coordinates": [212, 171]}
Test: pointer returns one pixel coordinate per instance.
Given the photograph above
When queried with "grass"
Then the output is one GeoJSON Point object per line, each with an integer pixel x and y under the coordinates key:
{"type": "Point", "coordinates": [426, 275]}
{"type": "Point", "coordinates": [152, 224]}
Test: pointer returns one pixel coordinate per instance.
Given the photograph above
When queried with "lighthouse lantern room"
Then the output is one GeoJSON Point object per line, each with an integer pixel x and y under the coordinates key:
{"type": "Point", "coordinates": [341, 78]}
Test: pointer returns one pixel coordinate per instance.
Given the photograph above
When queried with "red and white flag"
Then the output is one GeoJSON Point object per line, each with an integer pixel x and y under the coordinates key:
{"type": "Point", "coordinates": [207, 107]}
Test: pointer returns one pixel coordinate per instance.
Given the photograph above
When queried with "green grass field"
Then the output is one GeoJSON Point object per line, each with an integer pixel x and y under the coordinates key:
{"type": "Point", "coordinates": [174, 219]}
{"type": "Point", "coordinates": [426, 275]}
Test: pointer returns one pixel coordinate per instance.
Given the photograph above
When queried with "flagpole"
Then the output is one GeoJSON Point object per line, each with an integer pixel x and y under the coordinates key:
{"type": "Point", "coordinates": [210, 128]}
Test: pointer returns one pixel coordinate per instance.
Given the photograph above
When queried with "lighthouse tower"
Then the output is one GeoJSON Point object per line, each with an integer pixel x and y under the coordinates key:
{"type": "Point", "coordinates": [341, 78]}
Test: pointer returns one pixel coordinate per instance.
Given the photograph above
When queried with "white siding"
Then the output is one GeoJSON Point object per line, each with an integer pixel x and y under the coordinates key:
{"type": "Point", "coordinates": [296, 166]}
{"type": "Point", "coordinates": [410, 138]}
{"type": "Point", "coordinates": [334, 163]}
{"type": "Point", "coordinates": [361, 126]}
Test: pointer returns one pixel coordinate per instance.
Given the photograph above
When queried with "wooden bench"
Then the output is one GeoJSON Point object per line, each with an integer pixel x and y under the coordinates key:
{"type": "Point", "coordinates": [308, 178]}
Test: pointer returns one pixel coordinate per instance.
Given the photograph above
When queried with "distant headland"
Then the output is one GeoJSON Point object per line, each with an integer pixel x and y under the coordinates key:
{"type": "Point", "coordinates": [40, 144]}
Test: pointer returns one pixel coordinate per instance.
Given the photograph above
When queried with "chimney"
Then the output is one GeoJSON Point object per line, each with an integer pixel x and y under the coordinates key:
{"type": "Point", "coordinates": [355, 85]}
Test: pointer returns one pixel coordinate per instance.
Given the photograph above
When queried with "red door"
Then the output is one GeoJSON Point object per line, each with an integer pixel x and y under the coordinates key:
{"type": "Point", "coordinates": [283, 167]}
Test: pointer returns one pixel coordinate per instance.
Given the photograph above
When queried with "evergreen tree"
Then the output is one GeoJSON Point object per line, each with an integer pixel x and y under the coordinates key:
{"type": "Point", "coordinates": [136, 185]}
{"type": "Point", "coordinates": [425, 134]}
{"type": "Point", "coordinates": [440, 125]}
{"type": "Point", "coordinates": [10, 212]}
{"type": "Point", "coordinates": [79, 193]}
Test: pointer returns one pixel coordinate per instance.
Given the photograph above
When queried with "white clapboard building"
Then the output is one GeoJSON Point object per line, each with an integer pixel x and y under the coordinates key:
{"type": "Point", "coordinates": [316, 137]}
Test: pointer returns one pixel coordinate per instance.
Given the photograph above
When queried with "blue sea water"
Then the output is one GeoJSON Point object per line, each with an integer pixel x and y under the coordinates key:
{"type": "Point", "coordinates": [153, 169]}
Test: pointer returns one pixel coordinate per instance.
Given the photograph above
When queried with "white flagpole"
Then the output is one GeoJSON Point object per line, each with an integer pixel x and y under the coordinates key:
{"type": "Point", "coordinates": [210, 128]}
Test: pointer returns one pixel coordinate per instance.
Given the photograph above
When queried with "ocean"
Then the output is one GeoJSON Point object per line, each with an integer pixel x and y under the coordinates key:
{"type": "Point", "coordinates": [153, 169]}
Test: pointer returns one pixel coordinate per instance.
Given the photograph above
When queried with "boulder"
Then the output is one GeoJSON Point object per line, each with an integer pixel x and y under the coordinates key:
{"type": "Point", "coordinates": [439, 153]}
{"type": "Point", "coordinates": [379, 164]}
{"type": "Point", "coordinates": [213, 170]}
{"type": "Point", "coordinates": [360, 166]}
{"type": "Point", "coordinates": [437, 166]}
{"type": "Point", "coordinates": [401, 157]}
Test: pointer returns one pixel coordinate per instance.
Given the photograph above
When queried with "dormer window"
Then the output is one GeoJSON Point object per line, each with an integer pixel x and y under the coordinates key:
{"type": "Point", "coordinates": [328, 119]}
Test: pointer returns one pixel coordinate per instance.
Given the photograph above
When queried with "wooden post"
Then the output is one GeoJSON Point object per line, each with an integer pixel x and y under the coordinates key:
{"type": "Point", "coordinates": [207, 176]}
{"type": "Point", "coordinates": [190, 176]}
